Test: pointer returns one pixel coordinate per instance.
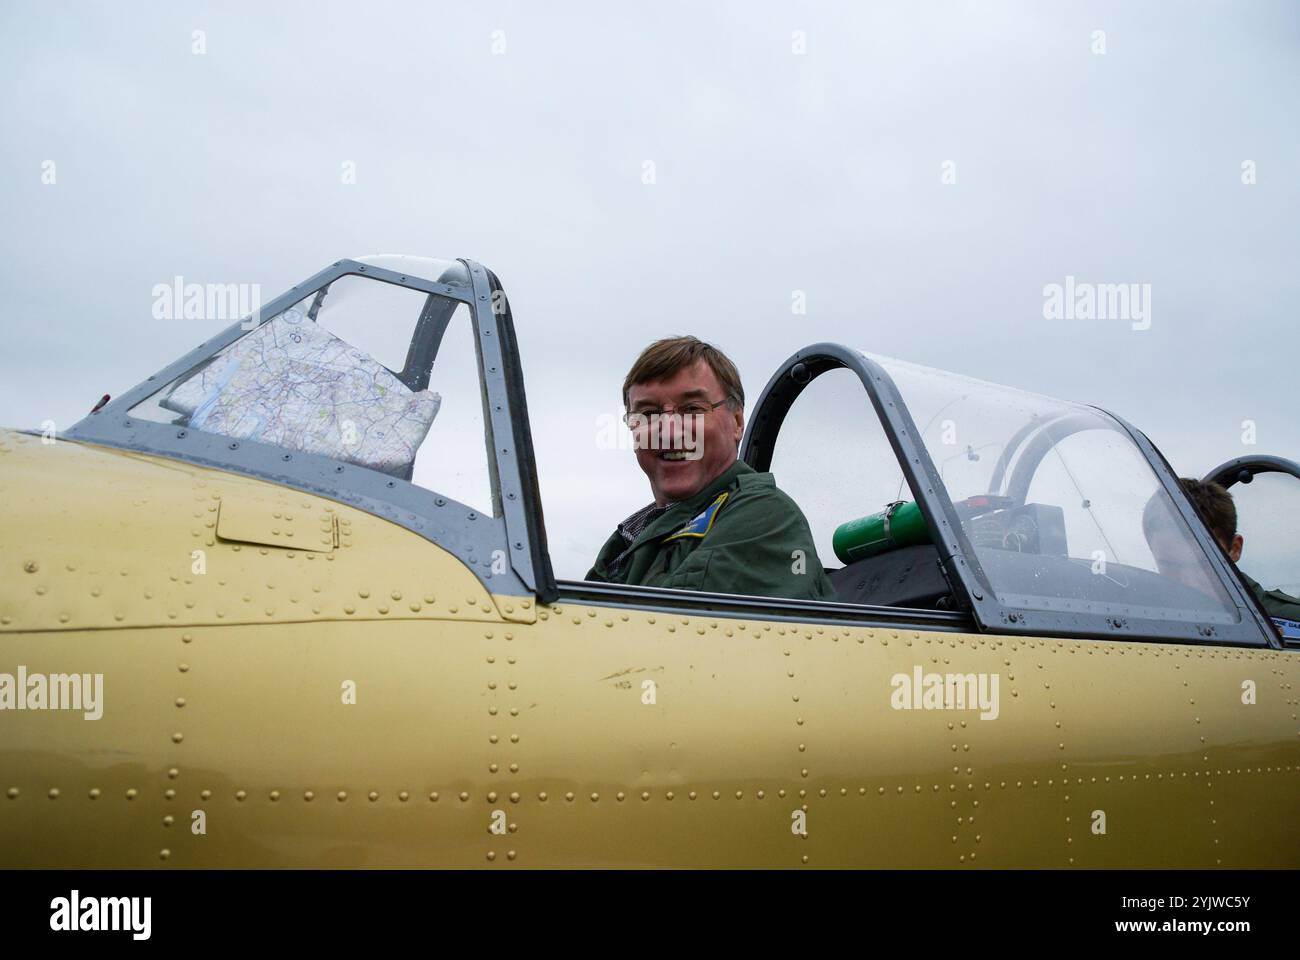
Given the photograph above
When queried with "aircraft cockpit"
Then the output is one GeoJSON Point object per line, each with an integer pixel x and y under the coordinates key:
{"type": "Point", "coordinates": [394, 384]}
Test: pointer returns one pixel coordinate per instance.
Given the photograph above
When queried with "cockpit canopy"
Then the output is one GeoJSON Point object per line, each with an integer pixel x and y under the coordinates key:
{"type": "Point", "coordinates": [1042, 515]}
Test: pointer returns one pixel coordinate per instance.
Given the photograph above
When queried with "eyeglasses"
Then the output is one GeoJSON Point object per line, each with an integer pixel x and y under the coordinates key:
{"type": "Point", "coordinates": [695, 408]}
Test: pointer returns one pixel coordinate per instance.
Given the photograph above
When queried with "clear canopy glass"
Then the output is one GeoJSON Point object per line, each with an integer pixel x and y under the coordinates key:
{"type": "Point", "coordinates": [1060, 505]}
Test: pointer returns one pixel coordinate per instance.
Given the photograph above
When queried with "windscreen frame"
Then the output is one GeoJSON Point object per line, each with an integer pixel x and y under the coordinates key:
{"type": "Point", "coordinates": [477, 539]}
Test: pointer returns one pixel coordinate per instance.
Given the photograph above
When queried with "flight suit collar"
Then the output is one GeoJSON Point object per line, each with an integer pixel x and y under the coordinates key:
{"type": "Point", "coordinates": [683, 511]}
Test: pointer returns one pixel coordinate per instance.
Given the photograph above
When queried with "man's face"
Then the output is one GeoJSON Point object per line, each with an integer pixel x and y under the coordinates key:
{"type": "Point", "coordinates": [681, 456]}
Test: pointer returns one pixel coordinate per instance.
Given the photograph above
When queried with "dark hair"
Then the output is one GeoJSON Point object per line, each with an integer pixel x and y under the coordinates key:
{"type": "Point", "coordinates": [665, 357]}
{"type": "Point", "coordinates": [1215, 507]}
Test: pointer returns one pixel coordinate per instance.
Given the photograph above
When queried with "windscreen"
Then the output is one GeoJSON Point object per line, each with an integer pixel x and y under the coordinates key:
{"type": "Point", "coordinates": [362, 371]}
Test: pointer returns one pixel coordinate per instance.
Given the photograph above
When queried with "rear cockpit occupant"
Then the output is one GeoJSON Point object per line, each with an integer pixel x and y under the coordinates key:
{"type": "Point", "coordinates": [1215, 506]}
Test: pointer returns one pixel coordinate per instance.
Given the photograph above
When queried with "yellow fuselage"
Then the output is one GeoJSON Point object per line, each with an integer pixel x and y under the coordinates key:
{"type": "Point", "coordinates": [291, 682]}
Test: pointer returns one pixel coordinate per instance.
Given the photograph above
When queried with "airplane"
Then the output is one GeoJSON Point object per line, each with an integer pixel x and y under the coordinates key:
{"type": "Point", "coordinates": [288, 603]}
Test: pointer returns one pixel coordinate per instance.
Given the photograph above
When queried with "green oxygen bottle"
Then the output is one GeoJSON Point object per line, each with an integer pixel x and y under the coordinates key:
{"type": "Point", "coordinates": [899, 525]}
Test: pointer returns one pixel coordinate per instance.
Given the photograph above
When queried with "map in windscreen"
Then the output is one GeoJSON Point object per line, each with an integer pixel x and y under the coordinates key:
{"type": "Point", "coordinates": [294, 384]}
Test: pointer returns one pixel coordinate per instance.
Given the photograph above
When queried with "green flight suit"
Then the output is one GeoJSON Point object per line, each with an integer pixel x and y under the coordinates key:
{"type": "Point", "coordinates": [738, 535]}
{"type": "Point", "coordinates": [1275, 602]}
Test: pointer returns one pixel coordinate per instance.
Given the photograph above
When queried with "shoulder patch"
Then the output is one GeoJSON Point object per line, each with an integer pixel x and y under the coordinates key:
{"type": "Point", "coordinates": [703, 522]}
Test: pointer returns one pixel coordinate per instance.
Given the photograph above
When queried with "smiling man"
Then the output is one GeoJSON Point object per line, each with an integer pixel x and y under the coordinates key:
{"type": "Point", "coordinates": [715, 524]}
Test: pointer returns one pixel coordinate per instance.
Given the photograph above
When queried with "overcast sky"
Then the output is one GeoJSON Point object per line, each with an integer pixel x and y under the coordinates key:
{"type": "Point", "coordinates": [795, 147]}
